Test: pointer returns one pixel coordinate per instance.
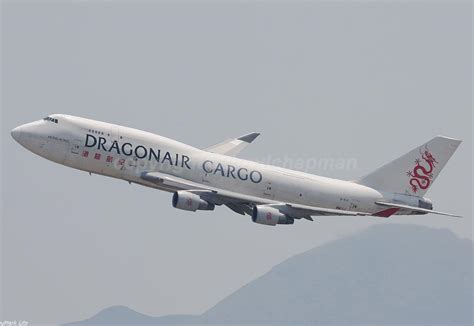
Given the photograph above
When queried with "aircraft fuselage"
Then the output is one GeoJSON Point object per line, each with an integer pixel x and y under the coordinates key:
{"type": "Point", "coordinates": [126, 153]}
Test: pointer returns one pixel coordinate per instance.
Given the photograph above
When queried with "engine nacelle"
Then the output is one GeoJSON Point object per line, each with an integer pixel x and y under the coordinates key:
{"type": "Point", "coordinates": [190, 202]}
{"type": "Point", "coordinates": [270, 216]}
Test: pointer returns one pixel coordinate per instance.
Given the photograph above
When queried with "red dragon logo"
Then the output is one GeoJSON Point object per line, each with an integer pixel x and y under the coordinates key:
{"type": "Point", "coordinates": [421, 176]}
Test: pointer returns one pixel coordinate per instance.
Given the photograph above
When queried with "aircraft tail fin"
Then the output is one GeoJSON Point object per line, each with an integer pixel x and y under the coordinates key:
{"type": "Point", "coordinates": [414, 172]}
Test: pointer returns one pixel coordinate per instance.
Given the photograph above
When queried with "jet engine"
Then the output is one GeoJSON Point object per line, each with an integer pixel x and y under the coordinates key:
{"type": "Point", "coordinates": [190, 202]}
{"type": "Point", "coordinates": [270, 216]}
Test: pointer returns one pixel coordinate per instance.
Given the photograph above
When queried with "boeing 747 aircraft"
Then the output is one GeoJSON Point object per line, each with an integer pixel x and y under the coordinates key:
{"type": "Point", "coordinates": [201, 179]}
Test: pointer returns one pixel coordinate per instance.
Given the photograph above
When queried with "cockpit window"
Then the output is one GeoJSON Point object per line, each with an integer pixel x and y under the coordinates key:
{"type": "Point", "coordinates": [50, 119]}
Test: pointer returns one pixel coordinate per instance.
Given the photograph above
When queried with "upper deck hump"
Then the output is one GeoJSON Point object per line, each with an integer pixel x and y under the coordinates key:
{"type": "Point", "coordinates": [127, 131]}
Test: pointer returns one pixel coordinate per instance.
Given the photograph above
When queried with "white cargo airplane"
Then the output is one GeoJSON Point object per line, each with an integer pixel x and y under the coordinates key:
{"type": "Point", "coordinates": [201, 179]}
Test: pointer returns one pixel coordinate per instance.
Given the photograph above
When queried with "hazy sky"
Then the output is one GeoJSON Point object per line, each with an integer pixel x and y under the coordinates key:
{"type": "Point", "coordinates": [352, 80]}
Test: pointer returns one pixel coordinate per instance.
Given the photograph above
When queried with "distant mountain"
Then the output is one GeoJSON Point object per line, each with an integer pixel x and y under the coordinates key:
{"type": "Point", "coordinates": [120, 315]}
{"type": "Point", "coordinates": [388, 274]}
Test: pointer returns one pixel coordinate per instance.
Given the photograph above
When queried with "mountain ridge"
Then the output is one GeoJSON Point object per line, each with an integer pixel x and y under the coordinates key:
{"type": "Point", "coordinates": [395, 273]}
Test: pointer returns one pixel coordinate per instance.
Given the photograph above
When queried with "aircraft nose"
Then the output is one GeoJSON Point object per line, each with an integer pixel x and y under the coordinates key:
{"type": "Point", "coordinates": [17, 134]}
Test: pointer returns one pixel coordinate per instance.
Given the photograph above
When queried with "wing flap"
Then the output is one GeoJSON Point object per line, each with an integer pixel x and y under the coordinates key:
{"type": "Point", "coordinates": [304, 211]}
{"type": "Point", "coordinates": [239, 208]}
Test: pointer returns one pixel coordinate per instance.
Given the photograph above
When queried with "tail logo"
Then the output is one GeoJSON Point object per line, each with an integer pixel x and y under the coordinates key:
{"type": "Point", "coordinates": [421, 175]}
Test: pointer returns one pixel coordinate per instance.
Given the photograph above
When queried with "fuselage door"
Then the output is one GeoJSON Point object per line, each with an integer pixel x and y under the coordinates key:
{"type": "Point", "coordinates": [354, 204]}
{"type": "Point", "coordinates": [268, 190]}
{"type": "Point", "coordinates": [114, 134]}
{"type": "Point", "coordinates": [76, 146]}
{"type": "Point", "coordinates": [133, 161]}
{"type": "Point", "coordinates": [112, 157]}
{"type": "Point", "coordinates": [120, 160]}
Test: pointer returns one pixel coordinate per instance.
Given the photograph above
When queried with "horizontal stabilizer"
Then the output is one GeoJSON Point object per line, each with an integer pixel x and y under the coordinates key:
{"type": "Point", "coordinates": [416, 209]}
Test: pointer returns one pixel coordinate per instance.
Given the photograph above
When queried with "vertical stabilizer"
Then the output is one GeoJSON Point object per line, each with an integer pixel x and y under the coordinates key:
{"type": "Point", "coordinates": [414, 172]}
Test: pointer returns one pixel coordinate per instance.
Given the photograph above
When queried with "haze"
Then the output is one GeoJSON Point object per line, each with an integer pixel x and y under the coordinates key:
{"type": "Point", "coordinates": [350, 80]}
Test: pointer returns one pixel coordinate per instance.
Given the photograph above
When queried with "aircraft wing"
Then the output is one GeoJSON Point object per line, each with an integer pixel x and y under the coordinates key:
{"type": "Point", "coordinates": [242, 203]}
{"type": "Point", "coordinates": [232, 147]}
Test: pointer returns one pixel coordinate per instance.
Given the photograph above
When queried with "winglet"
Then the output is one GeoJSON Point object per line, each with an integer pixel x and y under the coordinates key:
{"type": "Point", "coordinates": [249, 137]}
{"type": "Point", "coordinates": [232, 147]}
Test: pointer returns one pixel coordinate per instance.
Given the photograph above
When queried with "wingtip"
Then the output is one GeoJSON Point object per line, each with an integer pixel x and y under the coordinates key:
{"type": "Point", "coordinates": [249, 137]}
